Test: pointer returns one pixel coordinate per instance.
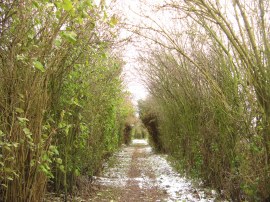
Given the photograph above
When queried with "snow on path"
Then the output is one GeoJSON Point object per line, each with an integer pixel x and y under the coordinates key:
{"type": "Point", "coordinates": [176, 187]}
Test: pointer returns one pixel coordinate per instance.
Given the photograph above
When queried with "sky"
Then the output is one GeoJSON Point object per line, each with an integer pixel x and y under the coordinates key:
{"type": "Point", "coordinates": [132, 77]}
{"type": "Point", "coordinates": [130, 11]}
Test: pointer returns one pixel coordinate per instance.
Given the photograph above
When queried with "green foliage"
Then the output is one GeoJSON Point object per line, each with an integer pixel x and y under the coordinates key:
{"type": "Point", "coordinates": [62, 109]}
{"type": "Point", "coordinates": [39, 66]}
{"type": "Point", "coordinates": [89, 123]}
{"type": "Point", "coordinates": [209, 103]}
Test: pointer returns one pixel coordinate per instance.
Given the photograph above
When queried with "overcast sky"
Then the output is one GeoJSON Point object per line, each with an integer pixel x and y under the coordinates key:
{"type": "Point", "coordinates": [130, 11]}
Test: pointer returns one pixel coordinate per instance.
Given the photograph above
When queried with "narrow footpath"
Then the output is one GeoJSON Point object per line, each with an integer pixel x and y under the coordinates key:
{"type": "Point", "coordinates": [136, 174]}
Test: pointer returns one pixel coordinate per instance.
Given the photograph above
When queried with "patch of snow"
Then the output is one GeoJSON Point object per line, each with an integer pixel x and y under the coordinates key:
{"type": "Point", "coordinates": [140, 141]}
{"type": "Point", "coordinates": [116, 176]}
{"type": "Point", "coordinates": [111, 182]}
{"type": "Point", "coordinates": [177, 187]}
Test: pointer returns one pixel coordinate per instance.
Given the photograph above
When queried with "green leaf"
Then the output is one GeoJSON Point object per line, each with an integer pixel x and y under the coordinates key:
{"type": "Point", "coordinates": [77, 172]}
{"type": "Point", "coordinates": [45, 169]}
{"type": "Point", "coordinates": [15, 144]}
{"type": "Point", "coordinates": [70, 36]}
{"type": "Point", "coordinates": [27, 132]}
{"type": "Point", "coordinates": [1, 133]}
{"type": "Point", "coordinates": [76, 102]}
{"type": "Point", "coordinates": [39, 66]}
{"type": "Point", "coordinates": [21, 57]}
{"type": "Point", "coordinates": [67, 5]}
{"type": "Point", "coordinates": [8, 170]}
{"type": "Point", "coordinates": [30, 36]}
{"type": "Point", "coordinates": [45, 157]}
{"type": "Point", "coordinates": [58, 42]}
{"type": "Point", "coordinates": [32, 163]}
{"type": "Point", "coordinates": [105, 15]}
{"type": "Point", "coordinates": [4, 185]}
{"type": "Point", "coordinates": [113, 21]}
{"type": "Point", "coordinates": [50, 5]}
{"type": "Point", "coordinates": [89, 3]}
{"type": "Point", "coordinates": [19, 110]}
{"type": "Point", "coordinates": [62, 168]}
{"type": "Point", "coordinates": [58, 160]}
{"type": "Point", "coordinates": [21, 95]}
{"type": "Point", "coordinates": [54, 149]}
{"type": "Point", "coordinates": [22, 120]}
{"type": "Point", "coordinates": [36, 4]}
{"type": "Point", "coordinates": [7, 148]}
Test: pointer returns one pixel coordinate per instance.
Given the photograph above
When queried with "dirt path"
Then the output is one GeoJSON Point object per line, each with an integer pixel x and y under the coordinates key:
{"type": "Point", "coordinates": [136, 174]}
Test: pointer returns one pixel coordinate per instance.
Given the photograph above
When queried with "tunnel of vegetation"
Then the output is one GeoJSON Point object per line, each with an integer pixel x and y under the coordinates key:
{"type": "Point", "coordinates": [62, 105]}
{"type": "Point", "coordinates": [63, 108]}
{"type": "Point", "coordinates": [209, 103]}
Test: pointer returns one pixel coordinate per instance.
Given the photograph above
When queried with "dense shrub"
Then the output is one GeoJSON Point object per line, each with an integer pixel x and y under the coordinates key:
{"type": "Point", "coordinates": [62, 106]}
{"type": "Point", "coordinates": [209, 102]}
